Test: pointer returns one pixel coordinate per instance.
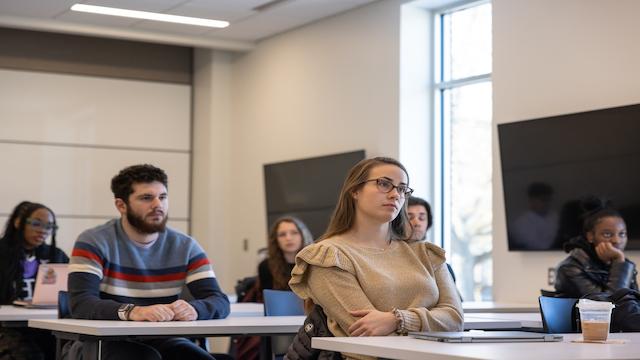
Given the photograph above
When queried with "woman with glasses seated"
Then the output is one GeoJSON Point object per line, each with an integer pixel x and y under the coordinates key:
{"type": "Point", "coordinates": [23, 248]}
{"type": "Point", "coordinates": [366, 273]}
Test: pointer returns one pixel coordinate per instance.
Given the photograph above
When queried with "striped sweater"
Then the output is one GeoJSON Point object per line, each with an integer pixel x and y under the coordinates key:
{"type": "Point", "coordinates": [108, 270]}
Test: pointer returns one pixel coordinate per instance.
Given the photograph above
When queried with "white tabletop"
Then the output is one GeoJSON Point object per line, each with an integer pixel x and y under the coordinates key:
{"type": "Point", "coordinates": [17, 313]}
{"type": "Point", "coordinates": [244, 325]}
{"type": "Point", "coordinates": [246, 309]}
{"type": "Point", "coordinates": [228, 326]}
{"type": "Point", "coordinates": [498, 307]}
{"type": "Point", "coordinates": [500, 320]}
{"type": "Point", "coordinates": [407, 348]}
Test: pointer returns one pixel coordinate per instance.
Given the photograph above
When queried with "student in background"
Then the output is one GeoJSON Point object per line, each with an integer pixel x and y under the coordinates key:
{"type": "Point", "coordinates": [23, 248]}
{"type": "Point", "coordinates": [596, 261]}
{"type": "Point", "coordinates": [421, 220]}
{"type": "Point", "coordinates": [134, 268]}
{"type": "Point", "coordinates": [365, 273]}
{"type": "Point", "coordinates": [288, 235]}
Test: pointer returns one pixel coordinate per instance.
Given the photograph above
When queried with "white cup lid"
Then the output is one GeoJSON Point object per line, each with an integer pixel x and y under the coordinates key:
{"type": "Point", "coordinates": [586, 304]}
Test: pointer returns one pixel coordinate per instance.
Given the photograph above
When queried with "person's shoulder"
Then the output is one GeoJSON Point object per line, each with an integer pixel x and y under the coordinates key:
{"type": "Point", "coordinates": [426, 248]}
{"type": "Point", "coordinates": [330, 252]}
{"type": "Point", "coordinates": [103, 231]}
{"type": "Point", "coordinates": [175, 235]}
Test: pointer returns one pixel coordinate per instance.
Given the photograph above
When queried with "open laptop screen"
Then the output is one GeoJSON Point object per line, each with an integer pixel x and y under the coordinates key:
{"type": "Point", "coordinates": [51, 279]}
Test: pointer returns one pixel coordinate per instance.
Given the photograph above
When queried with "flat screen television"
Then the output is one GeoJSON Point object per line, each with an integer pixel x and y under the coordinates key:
{"type": "Point", "coordinates": [550, 164]}
{"type": "Point", "coordinates": [307, 188]}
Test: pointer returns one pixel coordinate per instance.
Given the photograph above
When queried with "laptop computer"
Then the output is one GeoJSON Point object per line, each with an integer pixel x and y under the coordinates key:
{"type": "Point", "coordinates": [51, 279]}
{"type": "Point", "coordinates": [486, 336]}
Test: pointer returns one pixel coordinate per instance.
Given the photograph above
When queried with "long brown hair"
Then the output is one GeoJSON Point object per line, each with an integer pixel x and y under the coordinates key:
{"type": "Point", "coordinates": [344, 214]}
{"type": "Point", "coordinates": [277, 262]}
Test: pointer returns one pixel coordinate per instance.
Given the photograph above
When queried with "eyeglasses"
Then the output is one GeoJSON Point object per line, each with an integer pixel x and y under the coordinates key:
{"type": "Point", "coordinates": [387, 186]}
{"type": "Point", "coordinates": [49, 227]}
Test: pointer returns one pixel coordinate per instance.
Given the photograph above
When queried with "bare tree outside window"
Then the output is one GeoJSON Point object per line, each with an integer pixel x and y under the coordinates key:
{"type": "Point", "coordinates": [464, 95]}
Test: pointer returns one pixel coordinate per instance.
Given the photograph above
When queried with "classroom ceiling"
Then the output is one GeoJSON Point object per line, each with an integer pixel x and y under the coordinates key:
{"type": "Point", "coordinates": [251, 20]}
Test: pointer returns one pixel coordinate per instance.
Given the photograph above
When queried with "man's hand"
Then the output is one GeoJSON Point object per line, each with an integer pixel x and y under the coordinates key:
{"type": "Point", "coordinates": [159, 312]}
{"type": "Point", "coordinates": [183, 311]}
{"type": "Point", "coordinates": [608, 253]}
{"type": "Point", "coordinates": [372, 323]}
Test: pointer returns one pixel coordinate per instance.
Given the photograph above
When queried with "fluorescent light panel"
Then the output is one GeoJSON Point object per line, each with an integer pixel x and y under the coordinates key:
{"type": "Point", "coordinates": [103, 10]}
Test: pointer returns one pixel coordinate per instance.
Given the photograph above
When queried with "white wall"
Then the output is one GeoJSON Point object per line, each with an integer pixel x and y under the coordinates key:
{"type": "Point", "coordinates": [554, 57]}
{"type": "Point", "coordinates": [328, 87]}
{"type": "Point", "coordinates": [64, 136]}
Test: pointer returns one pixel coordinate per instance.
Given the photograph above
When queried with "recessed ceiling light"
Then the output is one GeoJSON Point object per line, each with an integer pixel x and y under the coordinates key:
{"type": "Point", "coordinates": [103, 10]}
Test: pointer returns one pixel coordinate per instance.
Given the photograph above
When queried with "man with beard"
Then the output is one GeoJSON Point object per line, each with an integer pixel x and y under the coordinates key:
{"type": "Point", "coordinates": [134, 268]}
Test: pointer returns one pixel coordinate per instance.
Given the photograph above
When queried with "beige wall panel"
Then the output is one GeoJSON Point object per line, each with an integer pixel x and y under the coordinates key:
{"type": "Point", "coordinates": [58, 108]}
{"type": "Point", "coordinates": [75, 181]}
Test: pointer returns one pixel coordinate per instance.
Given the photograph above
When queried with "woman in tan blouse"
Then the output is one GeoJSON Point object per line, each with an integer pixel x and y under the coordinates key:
{"type": "Point", "coordinates": [366, 274]}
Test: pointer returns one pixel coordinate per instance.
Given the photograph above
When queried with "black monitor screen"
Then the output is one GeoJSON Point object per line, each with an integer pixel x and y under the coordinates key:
{"type": "Point", "coordinates": [550, 164]}
{"type": "Point", "coordinates": [307, 188]}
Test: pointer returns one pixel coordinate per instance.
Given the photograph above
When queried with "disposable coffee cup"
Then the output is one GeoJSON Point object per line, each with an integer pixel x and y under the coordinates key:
{"type": "Point", "coordinates": [595, 317]}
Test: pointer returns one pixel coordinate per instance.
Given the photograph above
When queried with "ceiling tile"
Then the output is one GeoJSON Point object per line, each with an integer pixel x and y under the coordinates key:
{"type": "Point", "coordinates": [95, 19]}
{"type": "Point", "coordinates": [171, 28]}
{"type": "Point", "coordinates": [140, 5]}
{"type": "Point", "coordinates": [34, 8]}
{"type": "Point", "coordinates": [227, 10]}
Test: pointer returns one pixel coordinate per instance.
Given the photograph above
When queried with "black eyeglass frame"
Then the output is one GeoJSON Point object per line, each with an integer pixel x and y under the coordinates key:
{"type": "Point", "coordinates": [49, 227]}
{"type": "Point", "coordinates": [380, 183]}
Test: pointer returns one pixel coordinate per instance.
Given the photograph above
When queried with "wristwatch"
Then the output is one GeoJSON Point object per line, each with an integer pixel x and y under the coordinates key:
{"type": "Point", "coordinates": [124, 310]}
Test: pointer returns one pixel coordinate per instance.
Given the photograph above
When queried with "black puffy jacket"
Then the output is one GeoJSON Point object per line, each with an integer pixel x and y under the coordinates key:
{"type": "Point", "coordinates": [583, 273]}
{"type": "Point", "coordinates": [314, 325]}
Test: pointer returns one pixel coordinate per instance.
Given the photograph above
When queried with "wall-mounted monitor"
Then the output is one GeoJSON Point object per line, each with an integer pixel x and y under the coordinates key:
{"type": "Point", "coordinates": [549, 164]}
{"type": "Point", "coordinates": [307, 188]}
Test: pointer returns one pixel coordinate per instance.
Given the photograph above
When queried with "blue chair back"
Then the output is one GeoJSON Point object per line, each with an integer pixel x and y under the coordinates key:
{"type": "Point", "coordinates": [282, 303]}
{"type": "Point", "coordinates": [559, 315]}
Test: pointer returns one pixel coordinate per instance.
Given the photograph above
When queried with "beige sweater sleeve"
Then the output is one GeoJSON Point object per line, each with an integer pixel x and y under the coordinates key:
{"type": "Point", "coordinates": [339, 292]}
{"type": "Point", "coordinates": [446, 315]}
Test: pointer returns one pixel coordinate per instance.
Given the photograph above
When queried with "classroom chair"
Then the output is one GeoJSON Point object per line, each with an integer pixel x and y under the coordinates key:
{"type": "Point", "coordinates": [281, 303]}
{"type": "Point", "coordinates": [559, 315]}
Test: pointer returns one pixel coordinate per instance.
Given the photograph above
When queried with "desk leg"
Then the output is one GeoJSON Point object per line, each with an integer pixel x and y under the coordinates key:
{"type": "Point", "coordinates": [91, 349]}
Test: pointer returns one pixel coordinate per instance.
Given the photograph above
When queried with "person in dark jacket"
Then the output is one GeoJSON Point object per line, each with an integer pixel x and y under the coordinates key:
{"type": "Point", "coordinates": [596, 261]}
{"type": "Point", "coordinates": [22, 250]}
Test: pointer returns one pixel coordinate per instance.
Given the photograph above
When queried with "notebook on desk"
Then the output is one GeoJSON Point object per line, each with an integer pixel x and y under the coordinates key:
{"type": "Point", "coordinates": [486, 336]}
{"type": "Point", "coordinates": [51, 279]}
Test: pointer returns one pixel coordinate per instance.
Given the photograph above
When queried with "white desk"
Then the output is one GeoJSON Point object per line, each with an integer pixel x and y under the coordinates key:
{"type": "Point", "coordinates": [246, 309]}
{"type": "Point", "coordinates": [10, 313]}
{"type": "Point", "coordinates": [92, 332]}
{"type": "Point", "coordinates": [407, 348]}
{"type": "Point", "coordinates": [493, 321]}
{"type": "Point", "coordinates": [498, 307]}
{"type": "Point", "coordinates": [16, 313]}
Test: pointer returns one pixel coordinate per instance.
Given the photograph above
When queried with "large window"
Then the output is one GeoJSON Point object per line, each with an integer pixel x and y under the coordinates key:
{"type": "Point", "coordinates": [463, 127]}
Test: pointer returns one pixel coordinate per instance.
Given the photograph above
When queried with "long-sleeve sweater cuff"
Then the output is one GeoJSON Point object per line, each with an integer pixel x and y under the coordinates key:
{"type": "Point", "coordinates": [412, 321]}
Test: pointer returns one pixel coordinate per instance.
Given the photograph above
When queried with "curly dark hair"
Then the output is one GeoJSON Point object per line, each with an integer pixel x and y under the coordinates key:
{"type": "Point", "coordinates": [122, 184]}
{"type": "Point", "coordinates": [12, 250]}
{"type": "Point", "coordinates": [595, 209]}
